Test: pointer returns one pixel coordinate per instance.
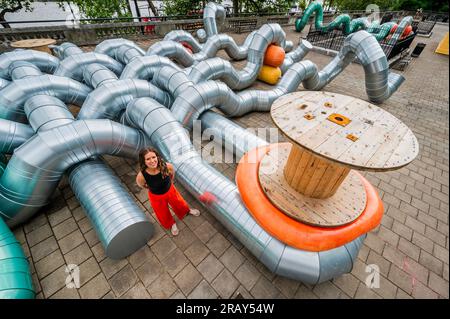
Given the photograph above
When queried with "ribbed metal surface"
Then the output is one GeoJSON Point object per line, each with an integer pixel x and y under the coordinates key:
{"type": "Point", "coordinates": [211, 13]}
{"type": "Point", "coordinates": [22, 69]}
{"type": "Point", "coordinates": [145, 67]}
{"type": "Point", "coordinates": [96, 75]}
{"type": "Point", "coordinates": [13, 97]}
{"type": "Point", "coordinates": [73, 66]}
{"type": "Point", "coordinates": [120, 224]}
{"type": "Point", "coordinates": [15, 275]}
{"type": "Point", "coordinates": [44, 61]}
{"type": "Point", "coordinates": [37, 166]}
{"type": "Point", "coordinates": [65, 50]}
{"type": "Point", "coordinates": [110, 47]}
{"type": "Point", "coordinates": [12, 135]}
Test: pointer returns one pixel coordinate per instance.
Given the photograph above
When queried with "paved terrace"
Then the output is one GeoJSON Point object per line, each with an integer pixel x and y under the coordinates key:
{"type": "Point", "coordinates": [411, 246]}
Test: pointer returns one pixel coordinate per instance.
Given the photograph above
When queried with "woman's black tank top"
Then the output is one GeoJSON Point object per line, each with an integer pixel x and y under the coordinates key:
{"type": "Point", "coordinates": [156, 183]}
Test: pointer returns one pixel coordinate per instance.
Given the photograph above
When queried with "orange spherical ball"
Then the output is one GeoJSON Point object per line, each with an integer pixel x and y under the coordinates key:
{"type": "Point", "coordinates": [394, 28]}
{"type": "Point", "coordinates": [407, 31]}
{"type": "Point", "coordinates": [274, 56]}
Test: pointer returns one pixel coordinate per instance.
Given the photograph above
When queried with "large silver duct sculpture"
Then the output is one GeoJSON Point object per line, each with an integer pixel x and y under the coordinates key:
{"type": "Point", "coordinates": [44, 61]}
{"type": "Point", "coordinates": [211, 13]}
{"type": "Point", "coordinates": [170, 138]}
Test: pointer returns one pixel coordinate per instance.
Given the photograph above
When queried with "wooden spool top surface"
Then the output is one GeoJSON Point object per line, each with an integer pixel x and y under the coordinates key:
{"type": "Point", "coordinates": [32, 43]}
{"type": "Point", "coordinates": [346, 130]}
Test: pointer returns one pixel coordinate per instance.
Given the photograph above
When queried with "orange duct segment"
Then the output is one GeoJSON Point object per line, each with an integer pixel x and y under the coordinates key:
{"type": "Point", "coordinates": [290, 231]}
{"type": "Point", "coordinates": [274, 56]}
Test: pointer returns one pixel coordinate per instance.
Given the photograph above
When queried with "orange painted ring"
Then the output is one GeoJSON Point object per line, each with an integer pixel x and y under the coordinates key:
{"type": "Point", "coordinates": [290, 231]}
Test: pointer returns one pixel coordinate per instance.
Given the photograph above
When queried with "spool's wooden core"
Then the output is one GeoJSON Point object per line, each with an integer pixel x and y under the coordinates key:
{"type": "Point", "coordinates": [311, 175]}
{"type": "Point", "coordinates": [34, 44]}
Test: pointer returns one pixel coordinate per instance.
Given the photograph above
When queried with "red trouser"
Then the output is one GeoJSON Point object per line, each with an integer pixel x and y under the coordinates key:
{"type": "Point", "coordinates": [160, 205]}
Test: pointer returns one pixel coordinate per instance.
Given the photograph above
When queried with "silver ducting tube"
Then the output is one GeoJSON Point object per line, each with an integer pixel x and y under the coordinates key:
{"type": "Point", "coordinates": [65, 50]}
{"type": "Point", "coordinates": [125, 54]}
{"type": "Point", "coordinates": [44, 61]}
{"type": "Point", "coordinates": [406, 21]}
{"type": "Point", "coordinates": [171, 49]}
{"type": "Point", "coordinates": [144, 67]}
{"type": "Point", "coordinates": [120, 224]}
{"type": "Point", "coordinates": [198, 177]}
{"type": "Point", "coordinates": [233, 137]}
{"type": "Point", "coordinates": [211, 13]}
{"type": "Point", "coordinates": [96, 75]}
{"type": "Point", "coordinates": [297, 55]}
{"type": "Point", "coordinates": [22, 69]}
{"type": "Point", "coordinates": [107, 100]}
{"type": "Point", "coordinates": [109, 47]}
{"type": "Point", "coordinates": [380, 83]}
{"type": "Point", "coordinates": [183, 36]}
{"type": "Point", "coordinates": [13, 97]}
{"type": "Point", "coordinates": [36, 167]}
{"type": "Point", "coordinates": [73, 66]}
{"type": "Point", "coordinates": [3, 83]}
{"type": "Point", "coordinates": [12, 135]}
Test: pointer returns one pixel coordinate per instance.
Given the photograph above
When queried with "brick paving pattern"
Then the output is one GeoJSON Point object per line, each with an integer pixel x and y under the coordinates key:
{"type": "Point", "coordinates": [411, 246]}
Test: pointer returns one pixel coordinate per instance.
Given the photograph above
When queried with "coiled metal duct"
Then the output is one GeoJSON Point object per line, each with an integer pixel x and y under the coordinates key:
{"type": "Point", "coordinates": [13, 97]}
{"type": "Point", "coordinates": [183, 36]}
{"type": "Point", "coordinates": [36, 167]}
{"type": "Point", "coordinates": [96, 75]}
{"type": "Point", "coordinates": [3, 83]}
{"type": "Point", "coordinates": [107, 100]}
{"type": "Point", "coordinates": [22, 69]}
{"type": "Point", "coordinates": [12, 135]}
{"type": "Point", "coordinates": [406, 21]}
{"type": "Point", "coordinates": [73, 66]}
{"type": "Point", "coordinates": [144, 67]}
{"type": "Point", "coordinates": [211, 13]}
{"type": "Point", "coordinates": [44, 61]}
{"type": "Point", "coordinates": [65, 50]}
{"type": "Point", "coordinates": [109, 47]}
{"type": "Point", "coordinates": [15, 277]}
{"type": "Point", "coordinates": [172, 141]}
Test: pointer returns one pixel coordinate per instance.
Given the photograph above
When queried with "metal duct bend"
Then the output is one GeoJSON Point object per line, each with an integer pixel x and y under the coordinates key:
{"type": "Point", "coordinates": [109, 99]}
{"type": "Point", "coordinates": [15, 276]}
{"type": "Point", "coordinates": [198, 177]}
{"type": "Point", "coordinates": [12, 135]}
{"type": "Point", "coordinates": [380, 83]}
{"type": "Point", "coordinates": [125, 54]}
{"type": "Point", "coordinates": [65, 50]}
{"type": "Point", "coordinates": [144, 67]}
{"type": "Point", "coordinates": [211, 13]}
{"type": "Point", "coordinates": [22, 69]}
{"type": "Point", "coordinates": [44, 61]}
{"type": "Point", "coordinates": [173, 50]}
{"type": "Point", "coordinates": [406, 21]}
{"type": "Point", "coordinates": [4, 83]}
{"type": "Point", "coordinates": [36, 167]}
{"type": "Point", "coordinates": [109, 47]}
{"type": "Point", "coordinates": [297, 55]}
{"type": "Point", "coordinates": [119, 223]}
{"type": "Point", "coordinates": [183, 36]}
{"type": "Point", "coordinates": [96, 75]}
{"type": "Point", "coordinates": [13, 97]}
{"type": "Point", "coordinates": [73, 66]}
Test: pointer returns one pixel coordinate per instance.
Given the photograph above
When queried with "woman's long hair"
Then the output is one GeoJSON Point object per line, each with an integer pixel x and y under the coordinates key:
{"type": "Point", "coordinates": [162, 165]}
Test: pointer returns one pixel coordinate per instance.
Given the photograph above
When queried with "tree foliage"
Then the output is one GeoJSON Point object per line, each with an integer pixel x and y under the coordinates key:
{"type": "Point", "coordinates": [10, 6]}
{"type": "Point", "coordinates": [94, 9]}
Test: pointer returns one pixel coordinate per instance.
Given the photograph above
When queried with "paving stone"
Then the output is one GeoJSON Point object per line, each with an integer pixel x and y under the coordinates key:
{"type": "Point", "coordinates": [402, 230]}
{"type": "Point", "coordinates": [150, 271]}
{"type": "Point", "coordinates": [137, 292]}
{"type": "Point", "coordinates": [423, 242]}
{"type": "Point", "coordinates": [78, 213]}
{"type": "Point", "coordinates": [163, 287]}
{"type": "Point", "coordinates": [110, 266]}
{"type": "Point", "coordinates": [402, 295]}
{"type": "Point", "coordinates": [175, 262]}
{"type": "Point", "coordinates": [163, 247]}
{"type": "Point", "coordinates": [441, 253]}
{"type": "Point", "coordinates": [401, 279]}
{"type": "Point", "coordinates": [205, 232]}
{"type": "Point", "coordinates": [304, 292]}
{"type": "Point", "coordinates": [96, 288]}
{"type": "Point", "coordinates": [187, 279]}
{"type": "Point", "coordinates": [66, 293]}
{"type": "Point", "coordinates": [35, 223]}
{"type": "Point", "coordinates": [78, 255]}
{"type": "Point", "coordinates": [178, 295]}
{"type": "Point", "coordinates": [99, 252]}
{"type": "Point", "coordinates": [439, 285]}
{"type": "Point", "coordinates": [263, 289]}
{"type": "Point", "coordinates": [54, 282]}
{"type": "Point", "coordinates": [225, 284]}
{"type": "Point", "coordinates": [85, 225]}
{"type": "Point", "coordinates": [59, 216]}
{"type": "Point", "coordinates": [232, 259]}
{"type": "Point", "coordinates": [374, 242]}
{"type": "Point", "coordinates": [435, 236]}
{"type": "Point", "coordinates": [203, 291]}
{"type": "Point", "coordinates": [347, 283]}
{"type": "Point", "coordinates": [71, 241]}
{"type": "Point", "coordinates": [124, 280]}
{"type": "Point", "coordinates": [387, 289]}
{"type": "Point", "coordinates": [421, 291]}
{"type": "Point", "coordinates": [218, 244]}
{"type": "Point", "coordinates": [49, 263]}
{"type": "Point", "coordinates": [382, 263]}
{"type": "Point", "coordinates": [140, 256]}
{"type": "Point", "coordinates": [184, 239]}
{"type": "Point", "coordinates": [366, 293]}
{"type": "Point", "coordinates": [287, 286]}
{"type": "Point", "coordinates": [327, 290]}
{"type": "Point", "coordinates": [409, 249]}
{"type": "Point", "coordinates": [430, 262]}
{"type": "Point", "coordinates": [388, 236]}
{"type": "Point", "coordinates": [88, 270]}
{"type": "Point", "coordinates": [196, 252]}
{"type": "Point", "coordinates": [65, 228]}
{"type": "Point", "coordinates": [91, 238]}
{"type": "Point", "coordinates": [44, 248]}
{"type": "Point", "coordinates": [415, 225]}
{"type": "Point", "coordinates": [363, 253]}
{"type": "Point", "coordinates": [210, 267]}
{"type": "Point", "coordinates": [39, 234]}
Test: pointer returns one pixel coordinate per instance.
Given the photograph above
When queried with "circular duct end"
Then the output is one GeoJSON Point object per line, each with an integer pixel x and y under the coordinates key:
{"type": "Point", "coordinates": [201, 35]}
{"type": "Point", "coordinates": [128, 240]}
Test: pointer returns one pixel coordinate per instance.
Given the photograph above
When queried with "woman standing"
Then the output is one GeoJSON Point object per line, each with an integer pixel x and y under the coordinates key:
{"type": "Point", "coordinates": [156, 175]}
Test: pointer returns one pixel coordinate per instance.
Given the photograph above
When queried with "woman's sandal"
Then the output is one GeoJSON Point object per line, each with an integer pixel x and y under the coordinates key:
{"type": "Point", "coordinates": [194, 212]}
{"type": "Point", "coordinates": [174, 230]}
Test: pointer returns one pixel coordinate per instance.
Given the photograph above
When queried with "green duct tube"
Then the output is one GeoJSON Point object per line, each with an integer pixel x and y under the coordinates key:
{"type": "Point", "coordinates": [383, 31]}
{"type": "Point", "coordinates": [15, 276]}
{"type": "Point", "coordinates": [316, 8]}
